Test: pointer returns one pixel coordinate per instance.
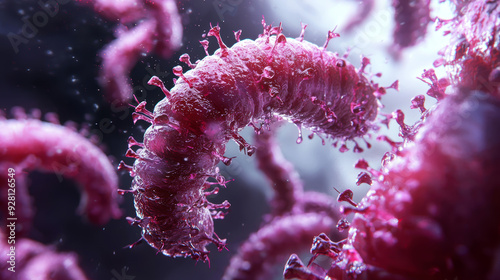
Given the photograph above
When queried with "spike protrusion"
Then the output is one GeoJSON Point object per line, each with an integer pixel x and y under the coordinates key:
{"type": "Point", "coordinates": [363, 164]}
{"type": "Point", "coordinates": [136, 116]}
{"type": "Point", "coordinates": [123, 166]}
{"type": "Point", "coordinates": [225, 160]}
{"type": "Point", "coordinates": [141, 108]}
{"type": "Point", "coordinates": [132, 142]}
{"type": "Point", "coordinates": [155, 81]}
{"type": "Point", "coordinates": [132, 154]}
{"type": "Point", "coordinates": [365, 61]}
{"type": "Point", "coordinates": [178, 72]}
{"type": "Point", "coordinates": [237, 35]}
{"type": "Point", "coordinates": [346, 196]}
{"type": "Point", "coordinates": [418, 102]}
{"type": "Point", "coordinates": [204, 44]}
{"type": "Point", "coordinates": [186, 59]}
{"type": "Point", "coordinates": [302, 32]}
{"type": "Point", "coordinates": [215, 31]}
{"type": "Point", "coordinates": [52, 118]}
{"type": "Point", "coordinates": [296, 269]}
{"type": "Point", "coordinates": [331, 35]}
{"type": "Point", "coordinates": [243, 144]}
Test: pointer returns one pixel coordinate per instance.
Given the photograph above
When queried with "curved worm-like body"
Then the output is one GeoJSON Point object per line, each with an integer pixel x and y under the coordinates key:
{"type": "Point", "coordinates": [210, 104]}
{"type": "Point", "coordinates": [296, 216]}
{"type": "Point", "coordinates": [158, 29]}
{"type": "Point", "coordinates": [31, 144]}
{"type": "Point", "coordinates": [33, 260]}
{"type": "Point", "coordinates": [282, 236]}
{"type": "Point", "coordinates": [412, 18]}
{"type": "Point", "coordinates": [439, 224]}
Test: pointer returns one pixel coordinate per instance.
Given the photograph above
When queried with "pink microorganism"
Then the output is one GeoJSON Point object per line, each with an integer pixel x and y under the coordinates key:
{"type": "Point", "coordinates": [31, 144]}
{"type": "Point", "coordinates": [28, 260]}
{"type": "Point", "coordinates": [433, 210]}
{"type": "Point", "coordinates": [249, 82]}
{"type": "Point", "coordinates": [145, 26]}
{"type": "Point", "coordinates": [296, 216]}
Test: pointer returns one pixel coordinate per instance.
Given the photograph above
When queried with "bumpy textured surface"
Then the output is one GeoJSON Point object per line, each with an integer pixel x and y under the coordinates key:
{"type": "Point", "coordinates": [31, 144]}
{"type": "Point", "coordinates": [437, 208]}
{"type": "Point", "coordinates": [33, 260]}
{"type": "Point", "coordinates": [210, 104]}
{"type": "Point", "coordinates": [433, 211]}
{"type": "Point", "coordinates": [473, 57]}
{"type": "Point", "coordinates": [296, 216]}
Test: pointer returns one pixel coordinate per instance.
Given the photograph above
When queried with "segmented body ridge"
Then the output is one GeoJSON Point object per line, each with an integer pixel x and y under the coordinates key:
{"type": "Point", "coordinates": [210, 104]}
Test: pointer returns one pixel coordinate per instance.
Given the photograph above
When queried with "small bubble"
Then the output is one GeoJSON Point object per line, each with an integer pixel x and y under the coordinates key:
{"type": "Point", "coordinates": [343, 224]}
{"type": "Point", "coordinates": [268, 72]}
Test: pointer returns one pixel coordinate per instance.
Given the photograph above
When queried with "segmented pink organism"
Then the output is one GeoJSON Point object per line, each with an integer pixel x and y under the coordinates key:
{"type": "Point", "coordinates": [296, 216]}
{"type": "Point", "coordinates": [210, 104]}
{"type": "Point", "coordinates": [282, 236]}
{"type": "Point", "coordinates": [439, 214]}
{"type": "Point", "coordinates": [33, 260]}
{"type": "Point", "coordinates": [474, 47]}
{"type": "Point", "coordinates": [30, 144]}
{"type": "Point", "coordinates": [411, 18]}
{"type": "Point", "coordinates": [433, 212]}
{"type": "Point", "coordinates": [158, 29]}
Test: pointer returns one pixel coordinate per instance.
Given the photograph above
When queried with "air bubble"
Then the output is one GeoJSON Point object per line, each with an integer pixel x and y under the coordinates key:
{"type": "Point", "coordinates": [340, 63]}
{"type": "Point", "coordinates": [343, 224]}
{"type": "Point", "coordinates": [268, 72]}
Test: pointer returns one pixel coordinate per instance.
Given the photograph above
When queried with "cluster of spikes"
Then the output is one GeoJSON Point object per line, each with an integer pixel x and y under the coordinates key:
{"type": "Point", "coordinates": [141, 113]}
{"type": "Point", "coordinates": [322, 244]}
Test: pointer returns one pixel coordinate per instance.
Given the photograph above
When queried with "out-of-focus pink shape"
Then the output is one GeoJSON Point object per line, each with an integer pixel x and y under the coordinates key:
{"type": "Point", "coordinates": [33, 260]}
{"type": "Point", "coordinates": [280, 173]}
{"type": "Point", "coordinates": [296, 216]}
{"type": "Point", "coordinates": [159, 30]}
{"type": "Point", "coordinates": [31, 144]}
{"type": "Point", "coordinates": [472, 58]}
{"type": "Point", "coordinates": [365, 10]}
{"type": "Point", "coordinates": [439, 216]}
{"type": "Point", "coordinates": [411, 18]}
{"type": "Point", "coordinates": [276, 239]}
